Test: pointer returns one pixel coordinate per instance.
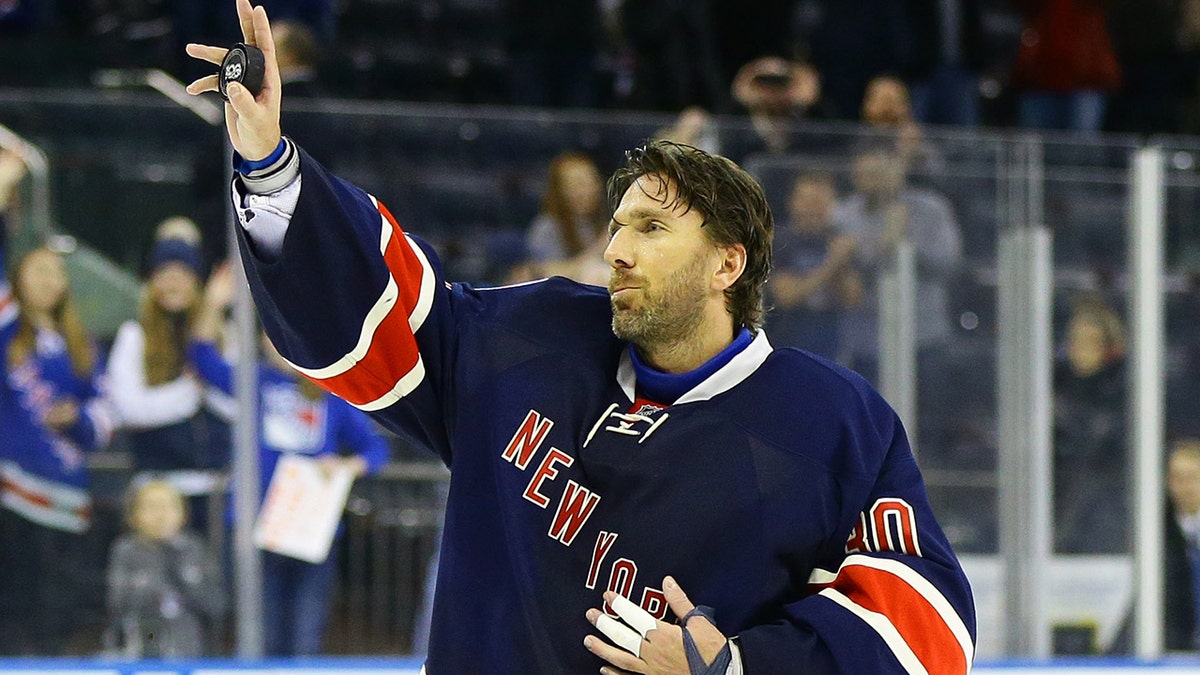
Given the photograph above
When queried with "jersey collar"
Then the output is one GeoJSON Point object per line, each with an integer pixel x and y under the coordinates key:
{"type": "Point", "coordinates": [740, 367]}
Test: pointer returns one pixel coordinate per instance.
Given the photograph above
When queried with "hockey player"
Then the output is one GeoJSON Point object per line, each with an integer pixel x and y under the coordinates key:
{"type": "Point", "coordinates": [610, 450]}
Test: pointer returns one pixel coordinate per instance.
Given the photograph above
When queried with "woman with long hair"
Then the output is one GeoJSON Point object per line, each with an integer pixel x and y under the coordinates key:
{"type": "Point", "coordinates": [154, 391]}
{"type": "Point", "coordinates": [50, 414]}
{"type": "Point", "coordinates": [567, 238]}
{"type": "Point", "coordinates": [573, 212]}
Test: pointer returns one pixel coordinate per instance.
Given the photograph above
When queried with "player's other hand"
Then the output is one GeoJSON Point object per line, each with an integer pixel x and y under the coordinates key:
{"type": "Point", "coordinates": [253, 122]}
{"type": "Point", "coordinates": [643, 644]}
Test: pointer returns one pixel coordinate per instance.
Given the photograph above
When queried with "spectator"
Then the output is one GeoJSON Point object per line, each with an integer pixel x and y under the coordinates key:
{"type": "Point", "coordinates": [813, 277]}
{"type": "Point", "coordinates": [153, 390]}
{"type": "Point", "coordinates": [587, 267]}
{"type": "Point", "coordinates": [888, 110]}
{"type": "Point", "coordinates": [295, 418]}
{"type": "Point", "coordinates": [205, 21]}
{"type": "Point", "coordinates": [1090, 509]}
{"type": "Point", "coordinates": [882, 212]}
{"type": "Point", "coordinates": [164, 587]}
{"type": "Point", "coordinates": [50, 415]}
{"type": "Point", "coordinates": [1181, 549]}
{"type": "Point", "coordinates": [1066, 66]}
{"type": "Point", "coordinates": [744, 31]}
{"type": "Point", "coordinates": [852, 41]}
{"type": "Point", "coordinates": [12, 172]}
{"type": "Point", "coordinates": [948, 53]}
{"type": "Point", "coordinates": [178, 227]}
{"type": "Point", "coordinates": [567, 237]}
{"type": "Point", "coordinates": [776, 93]}
{"type": "Point", "coordinates": [694, 127]}
{"type": "Point", "coordinates": [299, 54]}
{"type": "Point", "coordinates": [320, 16]}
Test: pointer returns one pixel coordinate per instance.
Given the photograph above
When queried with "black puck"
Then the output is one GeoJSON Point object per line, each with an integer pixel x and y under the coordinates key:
{"type": "Point", "coordinates": [245, 64]}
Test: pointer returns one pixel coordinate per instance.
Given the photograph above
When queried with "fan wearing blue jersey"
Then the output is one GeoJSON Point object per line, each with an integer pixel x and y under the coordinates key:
{"type": "Point", "coordinates": [611, 448]}
{"type": "Point", "coordinates": [295, 418]}
{"type": "Point", "coordinates": [51, 414]}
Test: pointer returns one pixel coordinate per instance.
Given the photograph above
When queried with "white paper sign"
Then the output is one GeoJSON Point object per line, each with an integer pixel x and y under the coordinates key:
{"type": "Point", "coordinates": [301, 511]}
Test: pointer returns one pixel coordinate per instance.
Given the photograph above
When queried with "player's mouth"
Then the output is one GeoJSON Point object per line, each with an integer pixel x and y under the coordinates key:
{"type": "Point", "coordinates": [622, 297]}
{"type": "Point", "coordinates": [620, 283]}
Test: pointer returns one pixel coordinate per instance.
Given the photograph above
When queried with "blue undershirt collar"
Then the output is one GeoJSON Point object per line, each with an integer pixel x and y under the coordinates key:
{"type": "Point", "coordinates": [666, 388]}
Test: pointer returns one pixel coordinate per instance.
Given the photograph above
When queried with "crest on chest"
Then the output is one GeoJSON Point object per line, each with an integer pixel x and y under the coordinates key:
{"type": "Point", "coordinates": [639, 421]}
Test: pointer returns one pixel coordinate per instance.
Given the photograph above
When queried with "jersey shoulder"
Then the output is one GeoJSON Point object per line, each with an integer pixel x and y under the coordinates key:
{"type": "Point", "coordinates": [557, 311]}
{"type": "Point", "coordinates": [808, 405]}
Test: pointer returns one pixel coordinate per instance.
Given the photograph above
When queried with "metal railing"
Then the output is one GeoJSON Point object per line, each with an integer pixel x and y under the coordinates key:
{"type": "Point", "coordinates": [390, 529]}
{"type": "Point", "coordinates": [462, 177]}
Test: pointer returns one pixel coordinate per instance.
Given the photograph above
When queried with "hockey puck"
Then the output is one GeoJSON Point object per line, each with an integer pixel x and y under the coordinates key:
{"type": "Point", "coordinates": [245, 64]}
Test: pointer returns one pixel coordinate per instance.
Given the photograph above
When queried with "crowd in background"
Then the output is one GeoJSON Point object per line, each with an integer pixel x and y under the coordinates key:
{"type": "Point", "coordinates": [1124, 65]}
{"type": "Point", "coordinates": [162, 385]}
{"type": "Point", "coordinates": [166, 385]}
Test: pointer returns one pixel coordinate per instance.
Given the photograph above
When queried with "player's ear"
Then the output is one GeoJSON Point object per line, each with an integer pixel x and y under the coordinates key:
{"type": "Point", "coordinates": [731, 259]}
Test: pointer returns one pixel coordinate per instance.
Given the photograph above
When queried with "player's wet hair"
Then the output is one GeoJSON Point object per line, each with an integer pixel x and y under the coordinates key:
{"type": "Point", "coordinates": [733, 205]}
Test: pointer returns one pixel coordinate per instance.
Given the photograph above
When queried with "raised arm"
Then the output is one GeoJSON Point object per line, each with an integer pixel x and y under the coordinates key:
{"type": "Point", "coordinates": [203, 352]}
{"type": "Point", "coordinates": [350, 300]}
{"type": "Point", "coordinates": [12, 171]}
{"type": "Point", "coordinates": [252, 122]}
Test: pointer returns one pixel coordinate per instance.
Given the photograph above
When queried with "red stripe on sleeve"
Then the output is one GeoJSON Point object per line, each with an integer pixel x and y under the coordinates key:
{"type": "Point", "coordinates": [393, 351]}
{"type": "Point", "coordinates": [392, 355]}
{"type": "Point", "coordinates": [917, 621]}
{"type": "Point", "coordinates": [403, 263]}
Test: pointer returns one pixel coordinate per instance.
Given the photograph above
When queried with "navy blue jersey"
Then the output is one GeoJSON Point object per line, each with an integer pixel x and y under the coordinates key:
{"type": "Point", "coordinates": [781, 490]}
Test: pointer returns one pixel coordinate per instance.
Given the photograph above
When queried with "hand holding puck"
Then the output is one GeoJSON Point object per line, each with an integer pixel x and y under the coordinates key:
{"type": "Point", "coordinates": [252, 122]}
{"type": "Point", "coordinates": [244, 64]}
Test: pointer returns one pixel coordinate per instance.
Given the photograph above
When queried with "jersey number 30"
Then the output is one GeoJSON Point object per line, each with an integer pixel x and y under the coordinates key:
{"type": "Point", "coordinates": [889, 525]}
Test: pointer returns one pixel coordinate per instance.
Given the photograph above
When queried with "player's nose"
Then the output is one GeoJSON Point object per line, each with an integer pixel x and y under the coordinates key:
{"type": "Point", "coordinates": [619, 252]}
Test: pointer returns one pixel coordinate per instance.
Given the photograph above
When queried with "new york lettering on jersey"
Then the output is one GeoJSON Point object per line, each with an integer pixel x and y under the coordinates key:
{"type": "Point", "coordinates": [683, 467]}
{"type": "Point", "coordinates": [564, 484]}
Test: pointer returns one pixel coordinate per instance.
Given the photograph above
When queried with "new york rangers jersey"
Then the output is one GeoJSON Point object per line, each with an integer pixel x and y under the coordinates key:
{"type": "Point", "coordinates": [43, 475]}
{"type": "Point", "coordinates": [289, 423]}
{"type": "Point", "coordinates": [779, 490]}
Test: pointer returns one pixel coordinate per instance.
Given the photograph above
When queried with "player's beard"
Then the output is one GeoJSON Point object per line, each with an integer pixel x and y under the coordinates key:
{"type": "Point", "coordinates": [666, 315]}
